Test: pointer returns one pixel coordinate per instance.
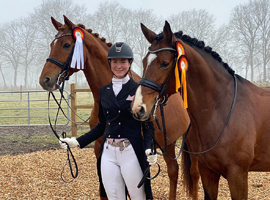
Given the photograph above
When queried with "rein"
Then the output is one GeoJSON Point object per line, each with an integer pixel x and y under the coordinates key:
{"type": "Point", "coordinates": [69, 152]}
{"type": "Point", "coordinates": [226, 123]}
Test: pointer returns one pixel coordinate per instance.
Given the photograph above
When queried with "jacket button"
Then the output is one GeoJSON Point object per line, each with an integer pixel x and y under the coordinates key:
{"type": "Point", "coordinates": [119, 135]}
{"type": "Point", "coordinates": [119, 111]}
{"type": "Point", "coordinates": [107, 112]}
{"type": "Point", "coordinates": [109, 123]}
{"type": "Point", "coordinates": [109, 135]}
{"type": "Point", "coordinates": [119, 123]}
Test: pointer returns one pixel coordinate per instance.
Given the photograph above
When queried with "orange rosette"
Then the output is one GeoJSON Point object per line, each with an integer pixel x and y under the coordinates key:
{"type": "Point", "coordinates": [78, 32]}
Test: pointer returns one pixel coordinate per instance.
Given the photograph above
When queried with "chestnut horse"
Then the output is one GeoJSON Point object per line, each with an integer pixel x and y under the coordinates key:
{"type": "Point", "coordinates": [98, 73]}
{"type": "Point", "coordinates": [230, 129]}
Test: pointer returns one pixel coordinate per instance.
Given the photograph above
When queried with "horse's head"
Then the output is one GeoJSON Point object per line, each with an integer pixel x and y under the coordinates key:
{"type": "Point", "coordinates": [56, 68]}
{"type": "Point", "coordinates": [158, 66]}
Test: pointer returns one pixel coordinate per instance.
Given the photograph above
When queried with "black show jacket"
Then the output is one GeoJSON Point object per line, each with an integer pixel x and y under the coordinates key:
{"type": "Point", "coordinates": [116, 121]}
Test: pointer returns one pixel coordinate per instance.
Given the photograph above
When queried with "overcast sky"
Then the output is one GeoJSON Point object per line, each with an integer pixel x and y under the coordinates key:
{"type": "Point", "coordinates": [221, 9]}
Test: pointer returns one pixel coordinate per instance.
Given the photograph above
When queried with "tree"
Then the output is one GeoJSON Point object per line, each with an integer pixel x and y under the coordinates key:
{"type": "Point", "coordinates": [107, 20]}
{"type": "Point", "coordinates": [132, 34]}
{"type": "Point", "coordinates": [195, 23]}
{"type": "Point", "coordinates": [27, 36]}
{"type": "Point", "coordinates": [11, 48]}
{"type": "Point", "coordinates": [262, 15]}
{"type": "Point", "coordinates": [2, 74]}
{"type": "Point", "coordinates": [244, 28]}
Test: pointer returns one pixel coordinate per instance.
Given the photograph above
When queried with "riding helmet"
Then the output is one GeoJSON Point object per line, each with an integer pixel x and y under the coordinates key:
{"type": "Point", "coordinates": [120, 50]}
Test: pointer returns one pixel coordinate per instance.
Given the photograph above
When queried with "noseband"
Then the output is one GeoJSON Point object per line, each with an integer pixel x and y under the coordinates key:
{"type": "Point", "coordinates": [153, 85]}
{"type": "Point", "coordinates": [64, 66]}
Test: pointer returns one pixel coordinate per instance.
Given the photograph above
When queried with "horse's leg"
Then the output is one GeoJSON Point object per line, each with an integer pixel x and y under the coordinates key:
{"type": "Point", "coordinates": [210, 181]}
{"type": "Point", "coordinates": [172, 169]}
{"type": "Point", "coordinates": [238, 183]}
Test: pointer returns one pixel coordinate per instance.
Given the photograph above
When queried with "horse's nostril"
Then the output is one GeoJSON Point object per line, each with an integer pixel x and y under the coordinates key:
{"type": "Point", "coordinates": [47, 80]}
{"type": "Point", "coordinates": [141, 112]}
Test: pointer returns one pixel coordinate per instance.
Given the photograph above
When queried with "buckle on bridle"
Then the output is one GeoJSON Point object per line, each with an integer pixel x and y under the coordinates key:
{"type": "Point", "coordinates": [61, 75]}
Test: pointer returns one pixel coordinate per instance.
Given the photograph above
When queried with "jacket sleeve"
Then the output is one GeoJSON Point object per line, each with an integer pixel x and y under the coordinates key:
{"type": "Point", "coordinates": [148, 130]}
{"type": "Point", "coordinates": [96, 132]}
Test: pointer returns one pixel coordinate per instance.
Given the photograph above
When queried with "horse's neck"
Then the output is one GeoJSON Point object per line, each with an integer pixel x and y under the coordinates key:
{"type": "Point", "coordinates": [210, 88]}
{"type": "Point", "coordinates": [96, 69]}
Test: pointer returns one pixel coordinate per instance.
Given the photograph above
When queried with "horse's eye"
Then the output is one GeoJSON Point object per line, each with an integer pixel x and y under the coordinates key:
{"type": "Point", "coordinates": [66, 46]}
{"type": "Point", "coordinates": [164, 64]}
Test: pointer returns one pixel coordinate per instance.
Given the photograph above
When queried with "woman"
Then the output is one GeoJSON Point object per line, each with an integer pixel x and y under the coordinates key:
{"type": "Point", "coordinates": [122, 159]}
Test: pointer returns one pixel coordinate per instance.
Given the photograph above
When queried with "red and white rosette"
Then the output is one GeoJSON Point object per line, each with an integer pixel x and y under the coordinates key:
{"type": "Point", "coordinates": [77, 58]}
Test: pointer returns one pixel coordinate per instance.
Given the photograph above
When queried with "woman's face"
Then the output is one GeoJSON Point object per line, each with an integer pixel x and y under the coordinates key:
{"type": "Point", "coordinates": [120, 67]}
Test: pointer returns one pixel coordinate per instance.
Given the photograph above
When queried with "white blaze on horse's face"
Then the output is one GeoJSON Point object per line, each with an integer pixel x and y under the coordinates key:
{"type": "Point", "coordinates": [138, 101]}
{"type": "Point", "coordinates": [54, 43]}
{"type": "Point", "coordinates": [150, 59]}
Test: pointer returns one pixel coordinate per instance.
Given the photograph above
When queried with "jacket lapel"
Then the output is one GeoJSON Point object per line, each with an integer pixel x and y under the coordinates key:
{"type": "Point", "coordinates": [111, 94]}
{"type": "Point", "coordinates": [129, 86]}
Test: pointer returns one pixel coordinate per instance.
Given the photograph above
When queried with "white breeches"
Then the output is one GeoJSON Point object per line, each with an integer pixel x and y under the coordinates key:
{"type": "Point", "coordinates": [120, 168]}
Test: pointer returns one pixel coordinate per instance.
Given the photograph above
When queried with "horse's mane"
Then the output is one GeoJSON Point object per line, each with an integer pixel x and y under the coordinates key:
{"type": "Point", "coordinates": [200, 44]}
{"type": "Point", "coordinates": [109, 44]}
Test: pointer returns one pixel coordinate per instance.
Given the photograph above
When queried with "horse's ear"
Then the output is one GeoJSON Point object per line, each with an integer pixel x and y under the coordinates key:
{"type": "Point", "coordinates": [149, 35]}
{"type": "Point", "coordinates": [56, 24]}
{"type": "Point", "coordinates": [168, 34]}
{"type": "Point", "coordinates": [68, 22]}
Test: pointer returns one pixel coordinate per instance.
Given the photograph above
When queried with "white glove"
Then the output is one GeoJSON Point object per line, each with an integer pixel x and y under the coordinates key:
{"type": "Point", "coordinates": [147, 152]}
{"type": "Point", "coordinates": [72, 142]}
{"type": "Point", "coordinates": [152, 159]}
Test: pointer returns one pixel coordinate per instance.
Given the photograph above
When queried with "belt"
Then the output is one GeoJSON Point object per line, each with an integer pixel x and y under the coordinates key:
{"type": "Point", "coordinates": [123, 144]}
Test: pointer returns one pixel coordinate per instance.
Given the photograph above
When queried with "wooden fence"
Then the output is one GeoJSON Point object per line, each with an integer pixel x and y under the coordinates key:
{"type": "Point", "coordinates": [74, 107]}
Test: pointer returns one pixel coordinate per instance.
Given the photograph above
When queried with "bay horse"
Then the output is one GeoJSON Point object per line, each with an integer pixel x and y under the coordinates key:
{"type": "Point", "coordinates": [230, 129]}
{"type": "Point", "coordinates": [98, 73]}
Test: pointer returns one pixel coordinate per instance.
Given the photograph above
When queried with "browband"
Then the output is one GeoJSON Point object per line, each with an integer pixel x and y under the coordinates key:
{"type": "Point", "coordinates": [159, 50]}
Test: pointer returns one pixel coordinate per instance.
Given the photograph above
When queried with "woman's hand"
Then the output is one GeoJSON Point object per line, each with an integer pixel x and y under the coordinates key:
{"type": "Point", "coordinates": [72, 142]}
{"type": "Point", "coordinates": [152, 159]}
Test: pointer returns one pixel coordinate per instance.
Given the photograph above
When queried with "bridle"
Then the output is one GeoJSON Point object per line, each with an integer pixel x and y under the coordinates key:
{"type": "Point", "coordinates": [153, 85]}
{"type": "Point", "coordinates": [64, 66]}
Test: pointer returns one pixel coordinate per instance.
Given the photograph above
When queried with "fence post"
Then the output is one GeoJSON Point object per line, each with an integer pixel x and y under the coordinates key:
{"type": "Point", "coordinates": [21, 92]}
{"type": "Point", "coordinates": [73, 97]}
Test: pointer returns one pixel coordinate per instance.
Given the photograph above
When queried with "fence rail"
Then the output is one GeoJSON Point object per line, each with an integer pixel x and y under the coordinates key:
{"type": "Point", "coordinates": [22, 106]}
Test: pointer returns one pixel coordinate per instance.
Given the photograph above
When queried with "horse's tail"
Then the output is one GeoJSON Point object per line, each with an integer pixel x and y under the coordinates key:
{"type": "Point", "coordinates": [186, 176]}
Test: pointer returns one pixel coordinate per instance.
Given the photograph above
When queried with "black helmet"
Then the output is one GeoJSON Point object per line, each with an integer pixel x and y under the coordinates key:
{"type": "Point", "coordinates": [120, 50]}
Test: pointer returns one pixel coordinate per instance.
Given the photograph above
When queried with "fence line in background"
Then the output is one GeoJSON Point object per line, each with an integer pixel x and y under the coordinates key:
{"type": "Point", "coordinates": [29, 115]}
{"type": "Point", "coordinates": [72, 97]}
